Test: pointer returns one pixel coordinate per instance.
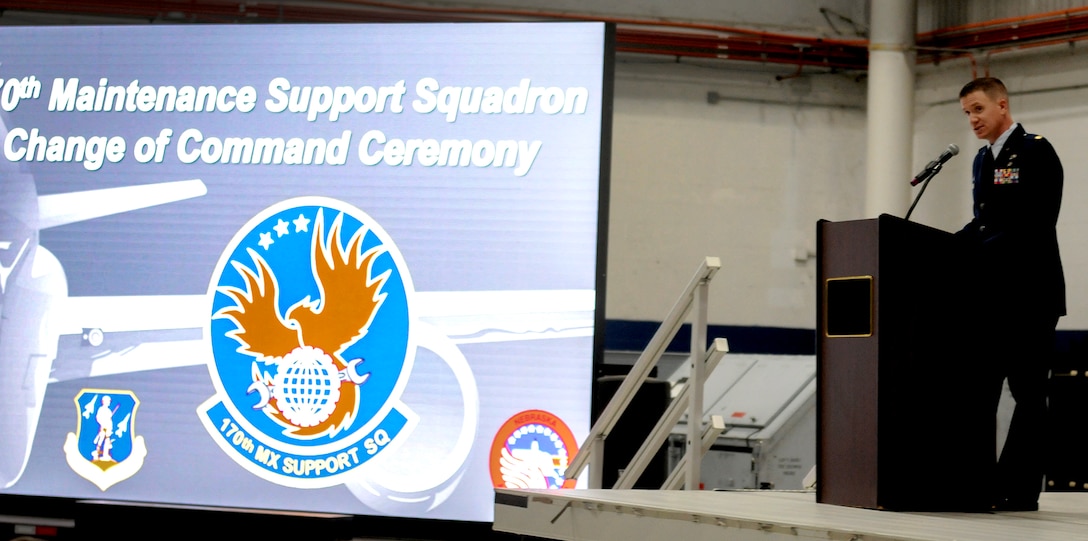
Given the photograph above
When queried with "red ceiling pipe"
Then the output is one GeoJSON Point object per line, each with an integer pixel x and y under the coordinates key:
{"type": "Point", "coordinates": [670, 38]}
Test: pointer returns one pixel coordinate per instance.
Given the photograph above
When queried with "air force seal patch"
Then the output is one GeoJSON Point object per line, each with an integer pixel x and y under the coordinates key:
{"type": "Point", "coordinates": [311, 349]}
{"type": "Point", "coordinates": [103, 450]}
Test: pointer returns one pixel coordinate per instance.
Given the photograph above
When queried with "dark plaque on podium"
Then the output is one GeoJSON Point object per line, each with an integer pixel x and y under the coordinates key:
{"type": "Point", "coordinates": [903, 415]}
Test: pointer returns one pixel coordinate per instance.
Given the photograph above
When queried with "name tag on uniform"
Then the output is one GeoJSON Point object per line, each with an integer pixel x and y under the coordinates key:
{"type": "Point", "coordinates": [1007, 176]}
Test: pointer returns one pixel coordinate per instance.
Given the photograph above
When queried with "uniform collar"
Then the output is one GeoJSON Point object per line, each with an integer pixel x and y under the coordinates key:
{"type": "Point", "coordinates": [995, 148]}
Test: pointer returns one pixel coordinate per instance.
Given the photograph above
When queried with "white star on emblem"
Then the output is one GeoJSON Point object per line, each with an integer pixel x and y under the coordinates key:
{"type": "Point", "coordinates": [301, 223]}
{"type": "Point", "coordinates": [281, 228]}
{"type": "Point", "coordinates": [266, 240]}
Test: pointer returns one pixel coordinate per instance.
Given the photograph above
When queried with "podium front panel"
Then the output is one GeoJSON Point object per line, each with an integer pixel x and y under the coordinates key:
{"type": "Point", "coordinates": [902, 421]}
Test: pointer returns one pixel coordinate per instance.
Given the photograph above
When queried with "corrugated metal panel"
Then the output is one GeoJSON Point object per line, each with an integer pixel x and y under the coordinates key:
{"type": "Point", "coordinates": [937, 14]}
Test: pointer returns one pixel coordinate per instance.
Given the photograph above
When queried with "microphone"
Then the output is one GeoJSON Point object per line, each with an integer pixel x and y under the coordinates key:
{"type": "Point", "coordinates": [934, 166]}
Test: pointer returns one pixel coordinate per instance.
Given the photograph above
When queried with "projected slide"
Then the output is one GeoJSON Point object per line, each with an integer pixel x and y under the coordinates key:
{"type": "Point", "coordinates": [337, 268]}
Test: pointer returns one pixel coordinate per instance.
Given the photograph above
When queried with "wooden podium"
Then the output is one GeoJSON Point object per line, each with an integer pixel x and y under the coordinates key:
{"type": "Point", "coordinates": [904, 413]}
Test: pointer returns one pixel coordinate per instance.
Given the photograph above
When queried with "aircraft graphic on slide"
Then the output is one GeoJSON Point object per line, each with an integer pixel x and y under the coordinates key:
{"type": "Point", "coordinates": [36, 311]}
{"type": "Point", "coordinates": [34, 289]}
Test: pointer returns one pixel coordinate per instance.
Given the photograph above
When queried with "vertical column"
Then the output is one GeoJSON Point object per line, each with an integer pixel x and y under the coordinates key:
{"type": "Point", "coordinates": [890, 128]}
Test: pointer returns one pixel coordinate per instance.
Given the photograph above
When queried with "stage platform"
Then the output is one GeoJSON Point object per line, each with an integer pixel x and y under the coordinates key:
{"type": "Point", "coordinates": [674, 515]}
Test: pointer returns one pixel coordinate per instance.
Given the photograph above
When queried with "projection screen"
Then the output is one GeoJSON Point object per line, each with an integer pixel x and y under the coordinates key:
{"type": "Point", "coordinates": [338, 268]}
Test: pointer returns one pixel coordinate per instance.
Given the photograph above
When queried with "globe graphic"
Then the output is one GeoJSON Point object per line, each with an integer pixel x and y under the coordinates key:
{"type": "Point", "coordinates": [306, 386]}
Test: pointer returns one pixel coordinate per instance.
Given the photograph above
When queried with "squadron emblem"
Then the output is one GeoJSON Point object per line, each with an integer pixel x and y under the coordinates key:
{"type": "Point", "coordinates": [309, 330]}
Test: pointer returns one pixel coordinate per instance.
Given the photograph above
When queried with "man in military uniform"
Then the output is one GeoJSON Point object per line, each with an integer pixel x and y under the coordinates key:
{"type": "Point", "coordinates": [1017, 195]}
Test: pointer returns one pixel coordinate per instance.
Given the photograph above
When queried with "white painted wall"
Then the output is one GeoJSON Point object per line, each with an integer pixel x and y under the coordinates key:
{"type": "Point", "coordinates": [747, 178]}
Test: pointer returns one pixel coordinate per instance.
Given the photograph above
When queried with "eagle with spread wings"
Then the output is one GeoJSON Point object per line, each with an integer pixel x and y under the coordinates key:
{"type": "Point", "coordinates": [306, 343]}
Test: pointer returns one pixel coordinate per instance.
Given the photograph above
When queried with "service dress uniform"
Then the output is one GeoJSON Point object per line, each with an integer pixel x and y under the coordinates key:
{"type": "Point", "coordinates": [1021, 294]}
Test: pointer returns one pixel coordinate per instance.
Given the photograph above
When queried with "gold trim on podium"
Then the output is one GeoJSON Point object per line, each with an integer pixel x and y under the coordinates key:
{"type": "Point", "coordinates": [827, 296]}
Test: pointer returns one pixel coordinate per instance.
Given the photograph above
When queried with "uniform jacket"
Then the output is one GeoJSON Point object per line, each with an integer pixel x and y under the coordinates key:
{"type": "Point", "coordinates": [1017, 196]}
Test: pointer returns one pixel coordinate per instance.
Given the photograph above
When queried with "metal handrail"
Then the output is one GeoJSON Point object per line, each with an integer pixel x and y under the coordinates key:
{"type": "Point", "coordinates": [668, 421]}
{"type": "Point", "coordinates": [713, 429]}
{"type": "Point", "coordinates": [693, 299]}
